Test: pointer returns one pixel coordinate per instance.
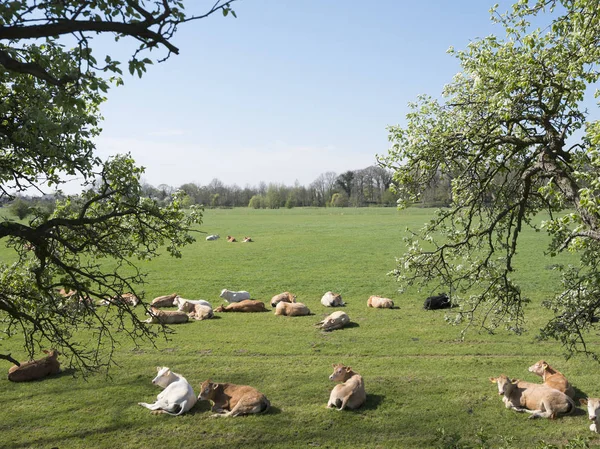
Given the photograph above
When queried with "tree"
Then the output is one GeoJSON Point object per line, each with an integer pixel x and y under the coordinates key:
{"type": "Point", "coordinates": [52, 85]}
{"type": "Point", "coordinates": [20, 208]}
{"type": "Point", "coordinates": [506, 135]}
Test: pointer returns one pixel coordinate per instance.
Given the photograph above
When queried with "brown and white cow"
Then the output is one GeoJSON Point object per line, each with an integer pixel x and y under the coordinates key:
{"type": "Point", "coordinates": [292, 309]}
{"type": "Point", "coordinates": [247, 305]}
{"type": "Point", "coordinates": [35, 369]}
{"type": "Point", "coordinates": [285, 297]}
{"type": "Point", "coordinates": [247, 240]}
{"type": "Point", "coordinates": [231, 239]}
{"type": "Point", "coordinates": [379, 302]}
{"type": "Point", "coordinates": [593, 406]}
{"type": "Point", "coordinates": [336, 320]}
{"type": "Point", "coordinates": [331, 299]}
{"type": "Point", "coordinates": [233, 400]}
{"type": "Point", "coordinates": [552, 378]}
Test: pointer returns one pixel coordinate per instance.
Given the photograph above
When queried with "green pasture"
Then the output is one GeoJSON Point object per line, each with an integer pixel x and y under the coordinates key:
{"type": "Point", "coordinates": [419, 377]}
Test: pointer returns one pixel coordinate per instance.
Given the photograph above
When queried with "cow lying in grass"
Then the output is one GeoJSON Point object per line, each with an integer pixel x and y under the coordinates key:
{"type": "Point", "coordinates": [291, 309]}
{"type": "Point", "coordinates": [351, 393]}
{"type": "Point", "coordinates": [247, 305]}
{"type": "Point", "coordinates": [35, 369]}
{"type": "Point", "coordinates": [441, 301]}
{"type": "Point", "coordinates": [231, 239]}
{"type": "Point", "coordinates": [247, 240]}
{"type": "Point", "coordinates": [285, 297]}
{"type": "Point", "coordinates": [552, 378]}
{"type": "Point", "coordinates": [177, 397]}
{"type": "Point", "coordinates": [231, 296]}
{"type": "Point", "coordinates": [164, 301]}
{"type": "Point", "coordinates": [331, 299]}
{"type": "Point", "coordinates": [539, 400]}
{"type": "Point", "coordinates": [187, 305]}
{"type": "Point", "coordinates": [158, 316]}
{"type": "Point", "coordinates": [212, 237]}
{"type": "Point", "coordinates": [336, 320]}
{"type": "Point", "coordinates": [593, 406]}
{"type": "Point", "coordinates": [380, 303]}
{"type": "Point", "coordinates": [233, 400]}
{"type": "Point", "coordinates": [126, 298]}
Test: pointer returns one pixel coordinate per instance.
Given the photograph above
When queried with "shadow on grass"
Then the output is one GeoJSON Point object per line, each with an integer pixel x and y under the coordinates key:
{"type": "Point", "coordinates": [373, 401]}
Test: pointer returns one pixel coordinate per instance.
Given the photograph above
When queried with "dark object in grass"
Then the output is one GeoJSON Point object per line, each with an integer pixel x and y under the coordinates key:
{"type": "Point", "coordinates": [441, 301]}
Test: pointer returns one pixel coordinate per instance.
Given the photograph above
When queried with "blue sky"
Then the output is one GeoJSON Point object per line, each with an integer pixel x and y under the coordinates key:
{"type": "Point", "coordinates": [288, 90]}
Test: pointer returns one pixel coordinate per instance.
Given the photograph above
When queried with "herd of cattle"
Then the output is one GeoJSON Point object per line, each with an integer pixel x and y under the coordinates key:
{"type": "Point", "coordinates": [550, 399]}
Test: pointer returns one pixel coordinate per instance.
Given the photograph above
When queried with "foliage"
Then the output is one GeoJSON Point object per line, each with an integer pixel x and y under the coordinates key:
{"type": "Point", "coordinates": [20, 208]}
{"type": "Point", "coordinates": [257, 202]}
{"type": "Point", "coordinates": [52, 85]}
{"type": "Point", "coordinates": [511, 134]}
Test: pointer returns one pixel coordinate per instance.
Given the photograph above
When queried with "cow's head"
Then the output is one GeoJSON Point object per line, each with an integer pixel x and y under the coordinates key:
{"type": "Point", "coordinates": [340, 373]}
{"type": "Point", "coordinates": [504, 383]}
{"type": "Point", "coordinates": [164, 377]}
{"type": "Point", "coordinates": [208, 390]}
{"type": "Point", "coordinates": [593, 406]}
{"type": "Point", "coordinates": [538, 368]}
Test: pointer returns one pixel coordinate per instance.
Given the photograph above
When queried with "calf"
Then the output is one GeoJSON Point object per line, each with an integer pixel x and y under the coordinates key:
{"type": "Point", "coordinates": [285, 297]}
{"type": "Point", "coordinates": [188, 305]}
{"type": "Point", "coordinates": [552, 378]}
{"type": "Point", "coordinates": [233, 400]}
{"type": "Point", "coordinates": [35, 369]}
{"type": "Point", "coordinates": [380, 303]}
{"type": "Point", "coordinates": [539, 400]}
{"type": "Point", "coordinates": [212, 237]}
{"type": "Point", "coordinates": [440, 301]}
{"type": "Point", "coordinates": [291, 309]}
{"type": "Point", "coordinates": [158, 316]}
{"type": "Point", "coordinates": [164, 301]}
{"type": "Point", "coordinates": [593, 406]}
{"type": "Point", "coordinates": [247, 240]}
{"type": "Point", "coordinates": [351, 393]}
{"type": "Point", "coordinates": [231, 296]}
{"type": "Point", "coordinates": [336, 320]}
{"type": "Point", "coordinates": [231, 239]}
{"type": "Point", "coordinates": [247, 305]}
{"type": "Point", "coordinates": [331, 299]}
{"type": "Point", "coordinates": [177, 397]}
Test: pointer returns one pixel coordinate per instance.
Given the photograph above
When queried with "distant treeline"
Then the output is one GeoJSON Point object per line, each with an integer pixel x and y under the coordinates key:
{"type": "Point", "coordinates": [354, 188]}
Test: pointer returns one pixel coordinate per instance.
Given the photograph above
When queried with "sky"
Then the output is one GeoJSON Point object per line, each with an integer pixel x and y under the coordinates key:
{"type": "Point", "coordinates": [287, 90]}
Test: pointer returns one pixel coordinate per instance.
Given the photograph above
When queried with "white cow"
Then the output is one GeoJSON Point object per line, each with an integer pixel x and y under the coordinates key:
{"type": "Point", "coordinates": [187, 305]}
{"type": "Point", "coordinates": [230, 296]}
{"type": "Point", "coordinates": [331, 299]}
{"type": "Point", "coordinates": [177, 397]}
{"type": "Point", "coordinates": [593, 406]}
{"type": "Point", "coordinates": [212, 237]}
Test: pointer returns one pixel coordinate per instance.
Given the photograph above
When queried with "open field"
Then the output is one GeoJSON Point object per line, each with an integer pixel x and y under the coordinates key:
{"type": "Point", "coordinates": [418, 376]}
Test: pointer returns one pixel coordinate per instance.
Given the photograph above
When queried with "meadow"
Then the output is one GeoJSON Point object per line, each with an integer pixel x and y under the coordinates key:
{"type": "Point", "coordinates": [425, 387]}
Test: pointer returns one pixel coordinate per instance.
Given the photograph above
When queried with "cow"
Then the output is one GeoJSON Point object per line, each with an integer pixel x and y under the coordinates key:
{"type": "Point", "coordinates": [552, 378]}
{"type": "Point", "coordinates": [285, 297]}
{"type": "Point", "coordinates": [187, 305]}
{"type": "Point", "coordinates": [158, 316]}
{"type": "Point", "coordinates": [231, 239]}
{"type": "Point", "coordinates": [164, 301]}
{"type": "Point", "coordinates": [247, 305]}
{"type": "Point", "coordinates": [201, 312]}
{"type": "Point", "coordinates": [247, 240]}
{"type": "Point", "coordinates": [331, 299]}
{"type": "Point", "coordinates": [212, 237]}
{"type": "Point", "coordinates": [291, 309]}
{"type": "Point", "coordinates": [593, 406]}
{"type": "Point", "coordinates": [233, 400]}
{"type": "Point", "coordinates": [231, 296]}
{"type": "Point", "coordinates": [349, 394]}
{"type": "Point", "coordinates": [380, 303]}
{"type": "Point", "coordinates": [74, 299]}
{"type": "Point", "coordinates": [336, 320]}
{"type": "Point", "coordinates": [539, 400]}
{"type": "Point", "coordinates": [441, 301]}
{"type": "Point", "coordinates": [35, 369]}
{"type": "Point", "coordinates": [177, 397]}
{"type": "Point", "coordinates": [125, 298]}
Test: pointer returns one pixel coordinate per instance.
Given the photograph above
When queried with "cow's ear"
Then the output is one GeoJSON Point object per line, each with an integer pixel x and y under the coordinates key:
{"type": "Point", "coordinates": [348, 369]}
{"type": "Point", "coordinates": [333, 364]}
{"type": "Point", "coordinates": [514, 381]}
{"type": "Point", "coordinates": [544, 366]}
{"type": "Point", "coordinates": [215, 386]}
{"type": "Point", "coordinates": [583, 401]}
{"type": "Point", "coordinates": [45, 351]}
{"type": "Point", "coordinates": [493, 380]}
{"type": "Point", "coordinates": [158, 368]}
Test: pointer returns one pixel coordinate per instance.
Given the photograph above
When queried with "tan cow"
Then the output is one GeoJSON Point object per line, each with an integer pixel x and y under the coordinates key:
{"type": "Point", "coordinates": [125, 298]}
{"type": "Point", "coordinates": [336, 320]}
{"type": "Point", "coordinates": [247, 240]}
{"type": "Point", "coordinates": [380, 303]}
{"type": "Point", "coordinates": [285, 297]}
{"type": "Point", "coordinates": [231, 239]}
{"type": "Point", "coordinates": [291, 309]}
{"type": "Point", "coordinates": [247, 305]}
{"type": "Point", "coordinates": [166, 316]}
{"type": "Point", "coordinates": [233, 400]}
{"type": "Point", "coordinates": [164, 301]}
{"type": "Point", "coordinates": [539, 400]}
{"type": "Point", "coordinates": [351, 393]}
{"type": "Point", "coordinates": [35, 369]}
{"type": "Point", "coordinates": [552, 378]}
{"type": "Point", "coordinates": [593, 406]}
{"type": "Point", "coordinates": [201, 312]}
{"type": "Point", "coordinates": [331, 299]}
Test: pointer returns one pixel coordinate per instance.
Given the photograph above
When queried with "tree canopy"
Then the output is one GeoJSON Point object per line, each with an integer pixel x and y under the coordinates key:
{"type": "Point", "coordinates": [512, 134]}
{"type": "Point", "coordinates": [52, 84]}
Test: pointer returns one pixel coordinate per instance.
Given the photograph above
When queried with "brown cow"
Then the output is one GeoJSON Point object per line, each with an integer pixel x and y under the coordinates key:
{"type": "Point", "coordinates": [35, 369]}
{"type": "Point", "coordinates": [164, 301]}
{"type": "Point", "coordinates": [285, 297]}
{"type": "Point", "coordinates": [231, 239]}
{"type": "Point", "coordinates": [247, 305]}
{"type": "Point", "coordinates": [552, 378]}
{"type": "Point", "coordinates": [247, 240]}
{"type": "Point", "coordinates": [291, 309]}
{"type": "Point", "coordinates": [233, 400]}
{"type": "Point", "coordinates": [351, 393]}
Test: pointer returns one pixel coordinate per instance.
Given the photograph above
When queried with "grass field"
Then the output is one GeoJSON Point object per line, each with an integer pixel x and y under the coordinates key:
{"type": "Point", "coordinates": [419, 377]}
